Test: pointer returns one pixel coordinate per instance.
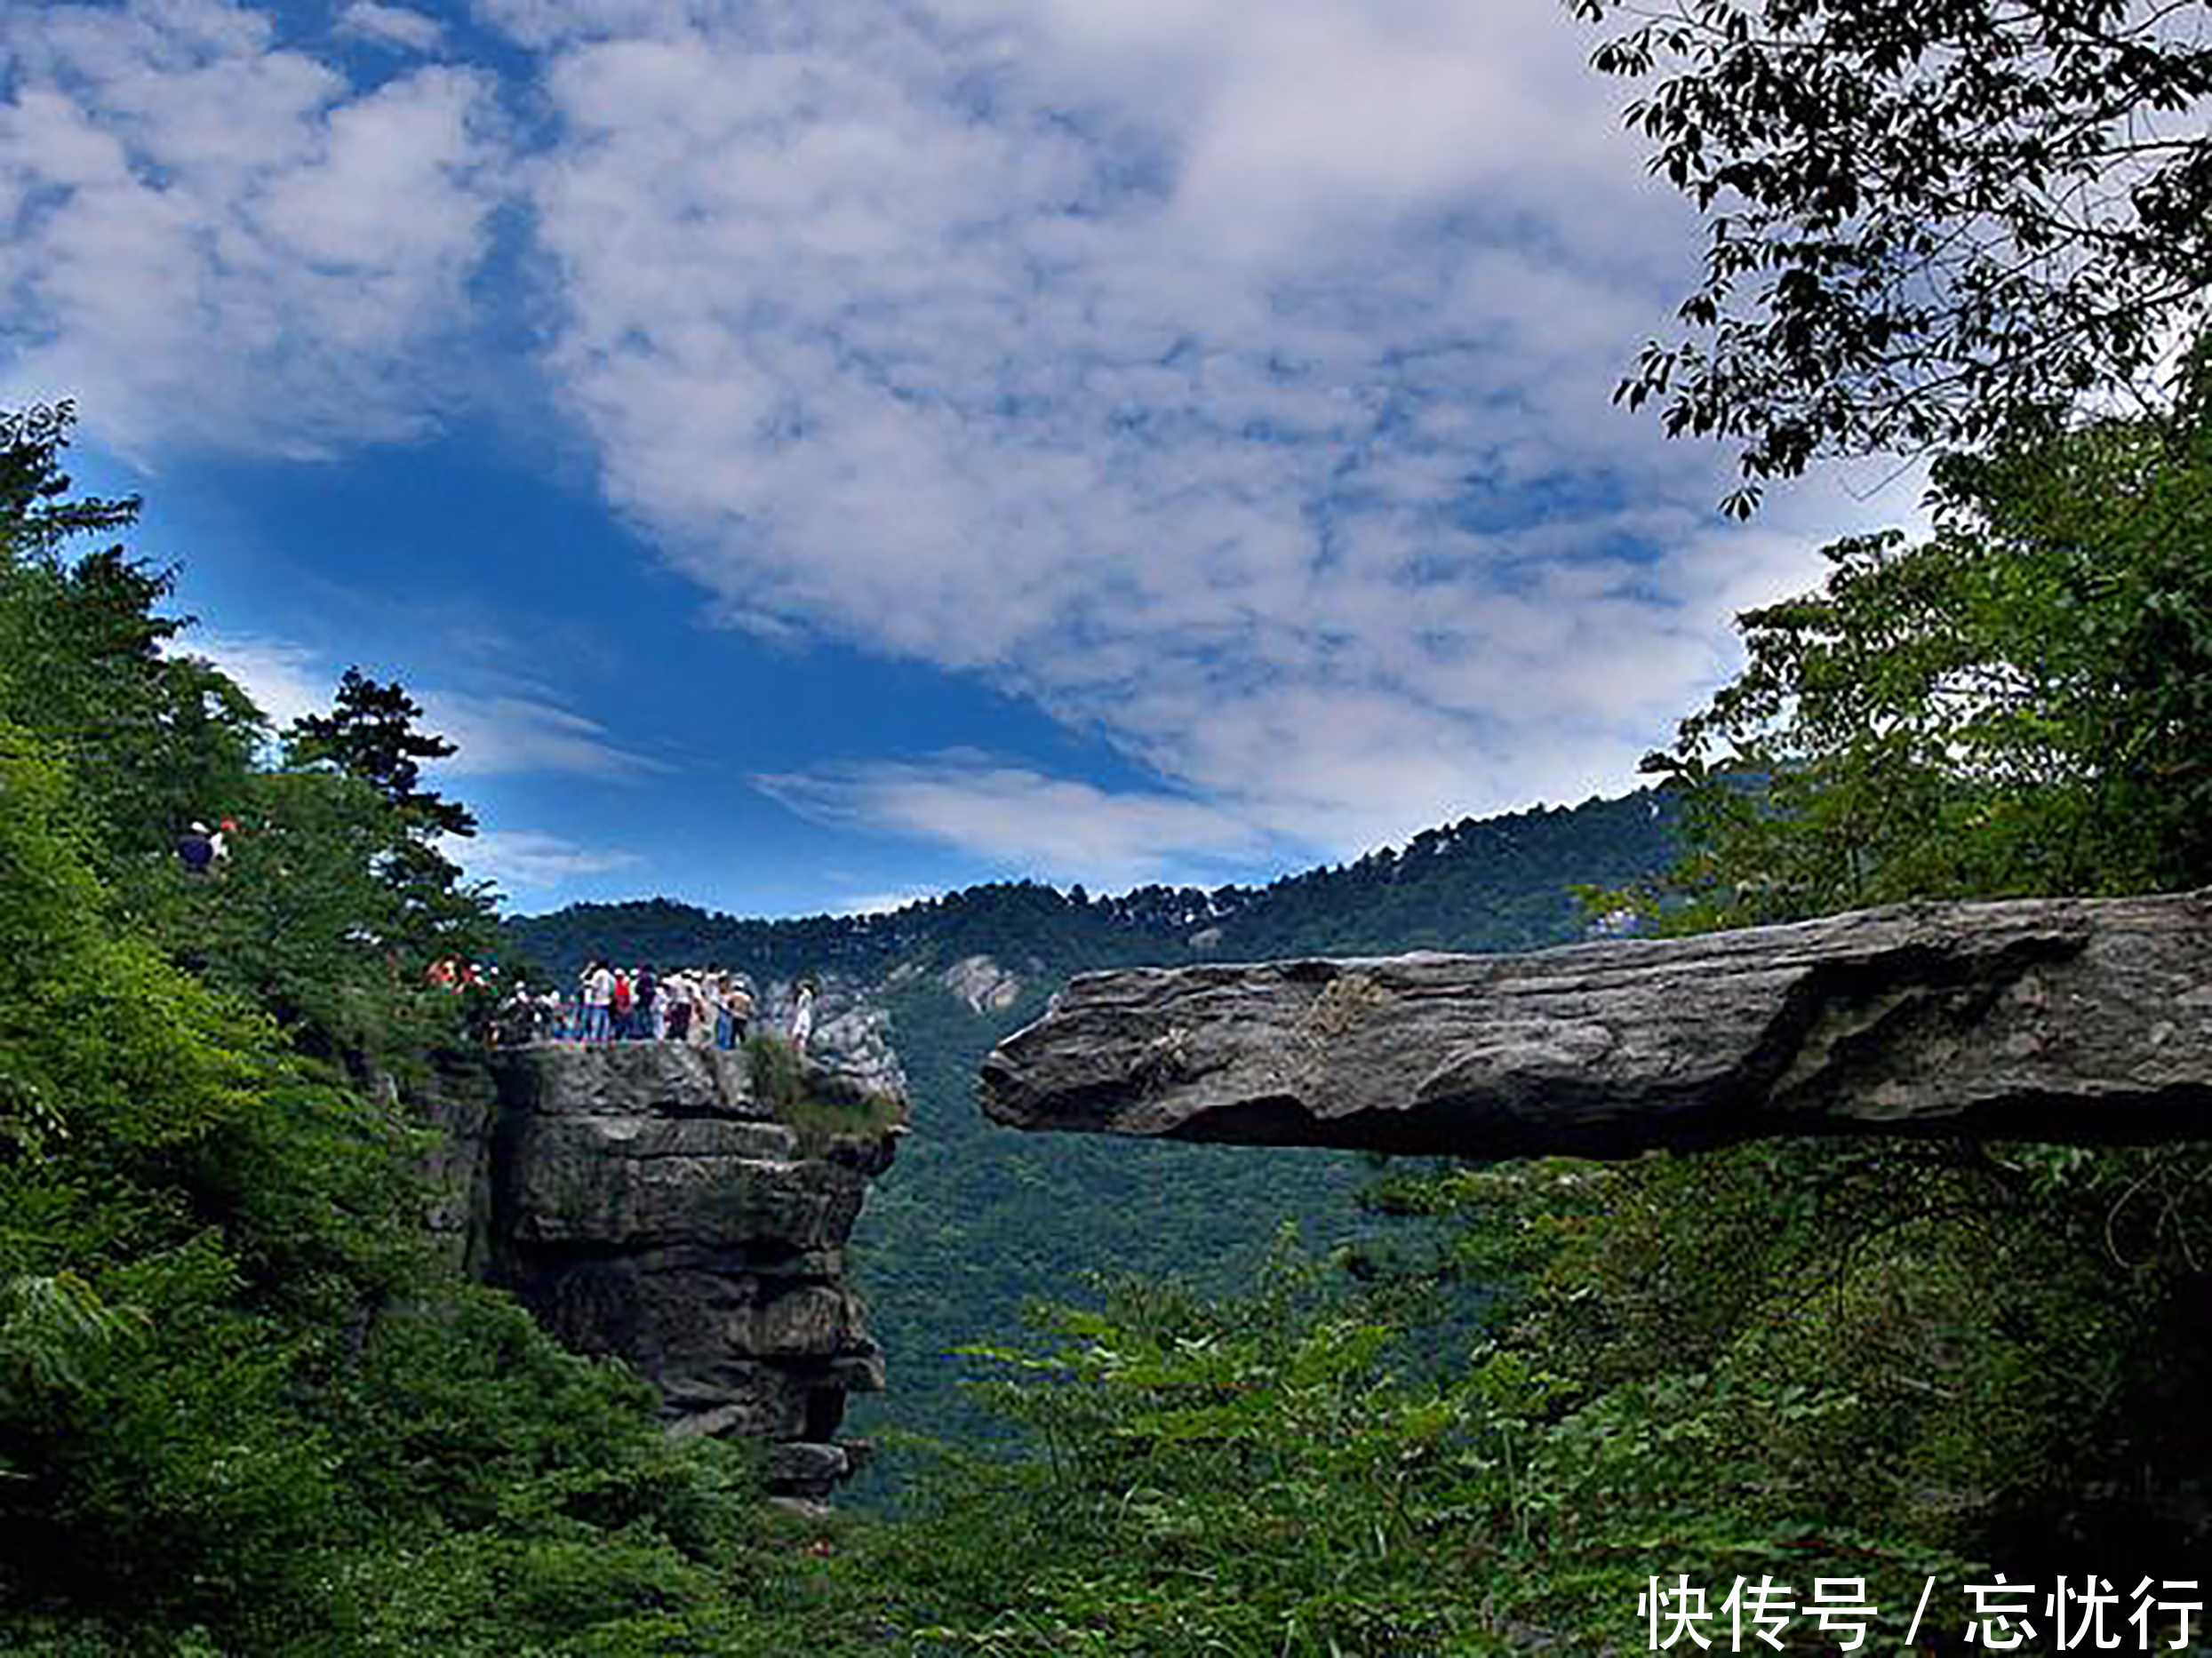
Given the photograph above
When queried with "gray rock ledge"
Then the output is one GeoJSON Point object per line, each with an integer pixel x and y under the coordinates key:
{"type": "Point", "coordinates": [2072, 1019]}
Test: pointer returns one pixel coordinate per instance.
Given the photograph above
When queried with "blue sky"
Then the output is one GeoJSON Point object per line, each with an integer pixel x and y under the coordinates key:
{"type": "Point", "coordinates": [811, 455]}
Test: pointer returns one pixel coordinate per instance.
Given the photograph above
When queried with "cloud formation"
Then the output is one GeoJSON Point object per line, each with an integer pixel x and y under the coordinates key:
{"type": "Point", "coordinates": [397, 27]}
{"type": "Point", "coordinates": [286, 681]}
{"type": "Point", "coordinates": [528, 860]}
{"type": "Point", "coordinates": [1059, 828]}
{"type": "Point", "coordinates": [216, 240]}
{"type": "Point", "coordinates": [1233, 383]}
{"type": "Point", "coordinates": [506, 735]}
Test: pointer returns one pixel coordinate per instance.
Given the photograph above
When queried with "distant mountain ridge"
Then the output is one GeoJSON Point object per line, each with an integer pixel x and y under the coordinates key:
{"type": "Point", "coordinates": [1480, 884]}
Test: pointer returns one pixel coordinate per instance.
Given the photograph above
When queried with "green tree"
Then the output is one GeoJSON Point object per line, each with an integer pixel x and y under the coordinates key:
{"type": "Point", "coordinates": [155, 739]}
{"type": "Point", "coordinates": [37, 514]}
{"type": "Point", "coordinates": [2021, 704]}
{"type": "Point", "coordinates": [1924, 219]}
{"type": "Point", "coordinates": [371, 733]}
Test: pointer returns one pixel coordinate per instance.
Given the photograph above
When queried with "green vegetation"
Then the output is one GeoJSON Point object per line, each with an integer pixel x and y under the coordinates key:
{"type": "Point", "coordinates": [821, 1114]}
{"type": "Point", "coordinates": [245, 1410]}
{"type": "Point", "coordinates": [2017, 704]}
{"type": "Point", "coordinates": [1928, 224]}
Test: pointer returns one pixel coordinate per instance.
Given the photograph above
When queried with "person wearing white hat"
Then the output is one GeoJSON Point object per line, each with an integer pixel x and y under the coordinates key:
{"type": "Point", "coordinates": [195, 850]}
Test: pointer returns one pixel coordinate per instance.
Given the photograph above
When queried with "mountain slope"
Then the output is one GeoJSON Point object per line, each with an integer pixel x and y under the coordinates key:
{"type": "Point", "coordinates": [976, 1221]}
{"type": "Point", "coordinates": [1497, 883]}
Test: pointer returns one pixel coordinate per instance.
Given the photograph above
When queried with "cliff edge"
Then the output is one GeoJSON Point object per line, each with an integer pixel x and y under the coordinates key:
{"type": "Point", "coordinates": [644, 1202]}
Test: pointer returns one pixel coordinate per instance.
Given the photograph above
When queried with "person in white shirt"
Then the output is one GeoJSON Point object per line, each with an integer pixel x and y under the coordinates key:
{"type": "Point", "coordinates": [802, 1014]}
{"type": "Point", "coordinates": [706, 1010]}
{"type": "Point", "coordinates": [598, 1002]}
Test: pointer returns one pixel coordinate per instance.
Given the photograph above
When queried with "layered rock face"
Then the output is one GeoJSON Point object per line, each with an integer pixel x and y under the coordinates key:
{"type": "Point", "coordinates": [644, 1203]}
{"type": "Point", "coordinates": [2062, 1019]}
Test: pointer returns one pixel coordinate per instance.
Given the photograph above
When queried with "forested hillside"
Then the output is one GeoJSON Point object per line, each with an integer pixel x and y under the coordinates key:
{"type": "Point", "coordinates": [245, 1405]}
{"type": "Point", "coordinates": [1497, 883]}
{"type": "Point", "coordinates": [977, 1222]}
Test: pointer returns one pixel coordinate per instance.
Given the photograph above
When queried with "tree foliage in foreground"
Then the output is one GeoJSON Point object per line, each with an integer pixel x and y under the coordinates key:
{"type": "Point", "coordinates": [1923, 219]}
{"type": "Point", "coordinates": [2020, 704]}
{"type": "Point", "coordinates": [245, 1407]}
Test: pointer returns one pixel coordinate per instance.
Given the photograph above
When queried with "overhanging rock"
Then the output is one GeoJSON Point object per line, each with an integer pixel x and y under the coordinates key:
{"type": "Point", "coordinates": [2082, 1020]}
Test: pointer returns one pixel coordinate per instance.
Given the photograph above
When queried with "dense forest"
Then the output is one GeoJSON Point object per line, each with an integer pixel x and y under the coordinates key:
{"type": "Point", "coordinates": [247, 1407]}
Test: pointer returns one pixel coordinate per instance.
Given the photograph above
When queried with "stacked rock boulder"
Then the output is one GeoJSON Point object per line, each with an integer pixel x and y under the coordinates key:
{"type": "Point", "coordinates": [644, 1203]}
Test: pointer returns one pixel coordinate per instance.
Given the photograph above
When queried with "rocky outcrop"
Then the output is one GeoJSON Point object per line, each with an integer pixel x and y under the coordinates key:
{"type": "Point", "coordinates": [981, 983]}
{"type": "Point", "coordinates": [852, 1035]}
{"type": "Point", "coordinates": [644, 1203]}
{"type": "Point", "coordinates": [2072, 1019]}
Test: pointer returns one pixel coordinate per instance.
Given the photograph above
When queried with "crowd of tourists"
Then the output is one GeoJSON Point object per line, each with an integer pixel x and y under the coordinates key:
{"type": "Point", "coordinates": [703, 1007]}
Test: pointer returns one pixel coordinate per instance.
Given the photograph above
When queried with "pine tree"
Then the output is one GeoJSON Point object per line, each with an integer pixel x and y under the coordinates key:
{"type": "Point", "coordinates": [370, 733]}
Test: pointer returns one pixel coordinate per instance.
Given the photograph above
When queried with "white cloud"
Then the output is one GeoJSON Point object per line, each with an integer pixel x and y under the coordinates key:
{"type": "Point", "coordinates": [1234, 384]}
{"type": "Point", "coordinates": [523, 860]}
{"type": "Point", "coordinates": [1057, 828]}
{"type": "Point", "coordinates": [215, 240]}
{"type": "Point", "coordinates": [885, 903]}
{"type": "Point", "coordinates": [395, 26]}
{"type": "Point", "coordinates": [286, 681]}
{"type": "Point", "coordinates": [499, 736]}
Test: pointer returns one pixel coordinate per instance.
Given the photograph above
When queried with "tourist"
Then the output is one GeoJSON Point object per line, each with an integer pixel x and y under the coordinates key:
{"type": "Point", "coordinates": [701, 1031]}
{"type": "Point", "coordinates": [597, 990]}
{"type": "Point", "coordinates": [195, 850]}
{"type": "Point", "coordinates": [802, 1014]}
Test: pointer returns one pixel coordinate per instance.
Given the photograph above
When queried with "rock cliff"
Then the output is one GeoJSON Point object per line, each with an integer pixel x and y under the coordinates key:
{"type": "Point", "coordinates": [2064, 1019]}
{"type": "Point", "coordinates": [644, 1202]}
